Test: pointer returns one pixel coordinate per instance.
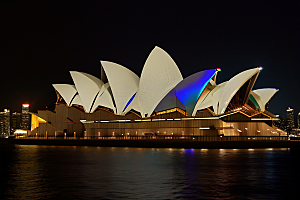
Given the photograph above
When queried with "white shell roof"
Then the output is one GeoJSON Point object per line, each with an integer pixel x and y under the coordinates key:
{"type": "Point", "coordinates": [232, 86]}
{"type": "Point", "coordinates": [264, 96]}
{"type": "Point", "coordinates": [67, 91]}
{"type": "Point", "coordinates": [123, 82]}
{"type": "Point", "coordinates": [212, 99]}
{"type": "Point", "coordinates": [87, 86]}
{"type": "Point", "coordinates": [77, 100]}
{"type": "Point", "coordinates": [135, 105]}
{"type": "Point", "coordinates": [160, 74]}
{"type": "Point", "coordinates": [103, 99]}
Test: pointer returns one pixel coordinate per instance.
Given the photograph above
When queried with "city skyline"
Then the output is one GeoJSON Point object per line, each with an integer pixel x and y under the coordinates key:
{"type": "Point", "coordinates": [43, 41]}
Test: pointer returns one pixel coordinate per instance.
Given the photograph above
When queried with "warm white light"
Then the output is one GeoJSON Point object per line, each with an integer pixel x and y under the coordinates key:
{"type": "Point", "coordinates": [20, 131]}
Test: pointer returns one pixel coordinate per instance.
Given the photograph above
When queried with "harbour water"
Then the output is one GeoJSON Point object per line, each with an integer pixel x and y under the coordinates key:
{"type": "Point", "coordinates": [59, 172]}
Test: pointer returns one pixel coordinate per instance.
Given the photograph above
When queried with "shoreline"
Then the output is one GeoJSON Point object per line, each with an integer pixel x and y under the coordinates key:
{"type": "Point", "coordinates": [150, 143]}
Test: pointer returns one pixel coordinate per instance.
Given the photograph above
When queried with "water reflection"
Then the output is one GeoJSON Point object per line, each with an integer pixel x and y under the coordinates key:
{"type": "Point", "coordinates": [49, 172]}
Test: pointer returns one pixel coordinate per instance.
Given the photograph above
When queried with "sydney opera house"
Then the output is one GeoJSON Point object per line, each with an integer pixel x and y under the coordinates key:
{"type": "Point", "coordinates": [158, 103]}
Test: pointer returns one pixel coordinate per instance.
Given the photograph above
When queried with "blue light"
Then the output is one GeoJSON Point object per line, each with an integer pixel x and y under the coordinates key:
{"type": "Point", "coordinates": [189, 90]}
{"type": "Point", "coordinates": [189, 150]}
{"type": "Point", "coordinates": [130, 100]}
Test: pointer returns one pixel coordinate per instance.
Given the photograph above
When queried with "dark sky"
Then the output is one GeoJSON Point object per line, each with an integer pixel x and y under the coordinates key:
{"type": "Point", "coordinates": [42, 41]}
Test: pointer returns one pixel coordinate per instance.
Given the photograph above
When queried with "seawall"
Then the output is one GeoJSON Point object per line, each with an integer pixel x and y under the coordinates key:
{"type": "Point", "coordinates": [150, 143]}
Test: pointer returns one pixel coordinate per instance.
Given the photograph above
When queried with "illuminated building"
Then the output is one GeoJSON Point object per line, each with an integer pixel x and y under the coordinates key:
{"type": "Point", "coordinates": [15, 121]}
{"type": "Point", "coordinates": [25, 124]}
{"type": "Point", "coordinates": [5, 122]}
{"type": "Point", "coordinates": [281, 123]}
{"type": "Point", "coordinates": [290, 119]}
{"type": "Point", "coordinates": [298, 120]}
{"type": "Point", "coordinates": [159, 102]}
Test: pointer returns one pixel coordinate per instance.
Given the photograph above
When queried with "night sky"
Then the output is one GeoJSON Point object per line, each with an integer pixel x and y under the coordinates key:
{"type": "Point", "coordinates": [42, 41]}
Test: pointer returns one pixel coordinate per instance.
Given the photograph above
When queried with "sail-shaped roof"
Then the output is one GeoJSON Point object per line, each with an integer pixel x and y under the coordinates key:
{"type": "Point", "coordinates": [169, 101]}
{"type": "Point", "coordinates": [264, 96]}
{"type": "Point", "coordinates": [187, 92]}
{"type": "Point", "coordinates": [211, 99]}
{"type": "Point", "coordinates": [103, 99]}
{"type": "Point", "coordinates": [87, 86]}
{"type": "Point", "coordinates": [160, 74]}
{"type": "Point", "coordinates": [189, 89]}
{"type": "Point", "coordinates": [123, 82]}
{"type": "Point", "coordinates": [67, 91]}
{"type": "Point", "coordinates": [233, 85]}
{"type": "Point", "coordinates": [77, 101]}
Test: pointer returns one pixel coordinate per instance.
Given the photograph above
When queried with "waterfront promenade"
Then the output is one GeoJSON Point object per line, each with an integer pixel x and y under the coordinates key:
{"type": "Point", "coordinates": [197, 142]}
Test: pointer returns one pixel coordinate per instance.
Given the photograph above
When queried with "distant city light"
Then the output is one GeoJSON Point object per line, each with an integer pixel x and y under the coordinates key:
{"type": "Point", "coordinates": [26, 105]}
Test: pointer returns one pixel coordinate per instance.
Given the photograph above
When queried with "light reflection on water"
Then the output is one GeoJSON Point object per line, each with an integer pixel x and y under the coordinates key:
{"type": "Point", "coordinates": [49, 172]}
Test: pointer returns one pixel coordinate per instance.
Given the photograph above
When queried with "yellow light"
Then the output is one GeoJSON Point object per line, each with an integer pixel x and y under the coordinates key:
{"type": "Point", "coordinates": [170, 111]}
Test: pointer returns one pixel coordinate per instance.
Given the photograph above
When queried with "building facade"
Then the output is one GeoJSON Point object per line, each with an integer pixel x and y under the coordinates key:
{"type": "Point", "coordinates": [281, 123]}
{"type": "Point", "coordinates": [5, 122]}
{"type": "Point", "coordinates": [159, 102]}
{"type": "Point", "coordinates": [298, 120]}
{"type": "Point", "coordinates": [290, 119]}
{"type": "Point", "coordinates": [25, 124]}
{"type": "Point", "coordinates": [15, 121]}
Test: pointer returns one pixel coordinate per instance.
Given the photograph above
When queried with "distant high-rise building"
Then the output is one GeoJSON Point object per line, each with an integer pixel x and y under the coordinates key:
{"type": "Point", "coordinates": [290, 119]}
{"type": "Point", "coordinates": [298, 119]}
{"type": "Point", "coordinates": [281, 123]}
{"type": "Point", "coordinates": [5, 122]}
{"type": "Point", "coordinates": [25, 124]}
{"type": "Point", "coordinates": [15, 121]}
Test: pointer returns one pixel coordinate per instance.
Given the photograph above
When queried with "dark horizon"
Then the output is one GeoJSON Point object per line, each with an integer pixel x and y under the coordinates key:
{"type": "Point", "coordinates": [43, 41]}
